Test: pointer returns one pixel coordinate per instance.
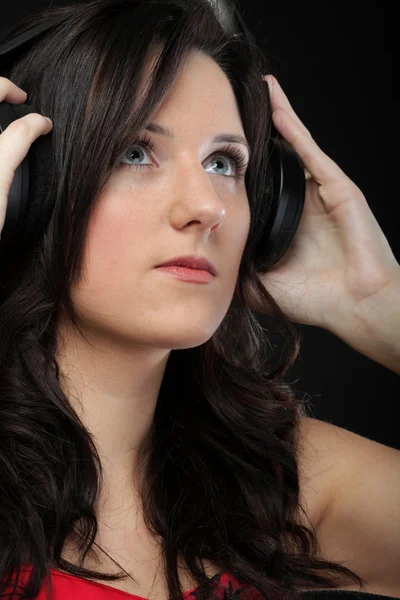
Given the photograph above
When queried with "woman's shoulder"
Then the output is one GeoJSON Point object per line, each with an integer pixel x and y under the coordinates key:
{"type": "Point", "coordinates": [316, 461]}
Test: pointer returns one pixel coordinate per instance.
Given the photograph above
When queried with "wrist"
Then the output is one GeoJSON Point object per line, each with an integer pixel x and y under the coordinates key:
{"type": "Point", "coordinates": [372, 327]}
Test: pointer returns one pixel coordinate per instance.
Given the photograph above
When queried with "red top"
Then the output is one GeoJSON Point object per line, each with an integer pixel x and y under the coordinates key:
{"type": "Point", "coordinates": [66, 587]}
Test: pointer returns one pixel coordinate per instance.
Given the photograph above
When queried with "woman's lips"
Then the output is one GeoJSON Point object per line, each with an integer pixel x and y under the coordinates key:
{"type": "Point", "coordinates": [185, 274]}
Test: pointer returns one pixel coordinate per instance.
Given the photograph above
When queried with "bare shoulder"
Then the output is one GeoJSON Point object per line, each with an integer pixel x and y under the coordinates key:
{"type": "Point", "coordinates": [350, 491]}
{"type": "Point", "coordinates": [317, 462]}
{"type": "Point", "coordinates": [330, 458]}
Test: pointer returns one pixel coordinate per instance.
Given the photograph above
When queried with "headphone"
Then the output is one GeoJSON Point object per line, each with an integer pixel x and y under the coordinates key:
{"type": "Point", "coordinates": [27, 205]}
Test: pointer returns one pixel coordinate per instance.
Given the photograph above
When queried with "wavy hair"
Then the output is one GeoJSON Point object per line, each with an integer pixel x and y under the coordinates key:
{"type": "Point", "coordinates": [221, 480]}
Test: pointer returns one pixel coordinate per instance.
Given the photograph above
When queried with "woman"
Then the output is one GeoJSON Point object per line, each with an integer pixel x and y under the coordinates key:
{"type": "Point", "coordinates": [139, 411]}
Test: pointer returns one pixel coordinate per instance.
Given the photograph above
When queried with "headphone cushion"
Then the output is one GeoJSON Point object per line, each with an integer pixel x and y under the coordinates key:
{"type": "Point", "coordinates": [39, 205]}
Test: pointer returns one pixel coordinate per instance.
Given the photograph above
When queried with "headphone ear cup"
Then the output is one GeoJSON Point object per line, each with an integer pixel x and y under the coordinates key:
{"type": "Point", "coordinates": [29, 207]}
{"type": "Point", "coordinates": [286, 190]}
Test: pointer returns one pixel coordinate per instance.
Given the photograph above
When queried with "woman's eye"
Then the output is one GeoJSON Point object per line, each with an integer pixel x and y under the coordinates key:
{"type": "Point", "coordinates": [235, 160]}
{"type": "Point", "coordinates": [217, 161]}
{"type": "Point", "coordinates": [135, 154]}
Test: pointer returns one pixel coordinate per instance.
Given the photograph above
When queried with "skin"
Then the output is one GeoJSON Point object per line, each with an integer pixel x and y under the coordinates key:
{"type": "Point", "coordinates": [135, 314]}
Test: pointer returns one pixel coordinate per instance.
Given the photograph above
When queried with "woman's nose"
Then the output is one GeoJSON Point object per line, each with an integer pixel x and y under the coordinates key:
{"type": "Point", "coordinates": [195, 199]}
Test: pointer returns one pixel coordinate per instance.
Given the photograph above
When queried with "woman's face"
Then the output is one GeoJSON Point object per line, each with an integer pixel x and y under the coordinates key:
{"type": "Point", "coordinates": [186, 202]}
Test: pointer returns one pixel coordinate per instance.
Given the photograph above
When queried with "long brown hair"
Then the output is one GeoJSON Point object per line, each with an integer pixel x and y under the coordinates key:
{"type": "Point", "coordinates": [221, 479]}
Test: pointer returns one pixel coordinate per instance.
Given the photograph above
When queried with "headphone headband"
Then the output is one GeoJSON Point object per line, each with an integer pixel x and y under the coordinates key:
{"type": "Point", "coordinates": [33, 32]}
{"type": "Point", "coordinates": [28, 35]}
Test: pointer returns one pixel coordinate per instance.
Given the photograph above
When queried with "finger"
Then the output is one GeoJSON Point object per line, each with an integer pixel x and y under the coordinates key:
{"type": "Point", "coordinates": [280, 100]}
{"type": "Point", "coordinates": [321, 167]}
{"type": "Point", "coordinates": [11, 92]}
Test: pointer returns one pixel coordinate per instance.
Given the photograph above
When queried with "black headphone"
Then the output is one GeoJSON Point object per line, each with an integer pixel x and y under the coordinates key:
{"type": "Point", "coordinates": [27, 206]}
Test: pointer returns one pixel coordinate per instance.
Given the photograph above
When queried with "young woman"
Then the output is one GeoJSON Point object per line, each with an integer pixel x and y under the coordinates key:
{"type": "Point", "coordinates": [141, 422]}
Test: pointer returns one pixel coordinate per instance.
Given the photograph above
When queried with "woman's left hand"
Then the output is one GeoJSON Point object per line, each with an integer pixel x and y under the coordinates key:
{"type": "Point", "coordinates": [339, 255]}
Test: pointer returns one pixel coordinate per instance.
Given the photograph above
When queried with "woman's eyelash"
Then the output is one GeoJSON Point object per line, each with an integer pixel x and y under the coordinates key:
{"type": "Point", "coordinates": [238, 157]}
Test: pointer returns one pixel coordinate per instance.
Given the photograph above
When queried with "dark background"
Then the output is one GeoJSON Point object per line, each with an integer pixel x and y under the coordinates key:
{"type": "Point", "coordinates": [335, 63]}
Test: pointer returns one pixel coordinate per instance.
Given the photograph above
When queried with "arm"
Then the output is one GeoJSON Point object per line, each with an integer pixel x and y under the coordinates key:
{"type": "Point", "coordinates": [373, 328]}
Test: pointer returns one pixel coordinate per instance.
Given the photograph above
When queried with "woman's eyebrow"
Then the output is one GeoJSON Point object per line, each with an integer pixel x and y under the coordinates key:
{"type": "Point", "coordinates": [232, 138]}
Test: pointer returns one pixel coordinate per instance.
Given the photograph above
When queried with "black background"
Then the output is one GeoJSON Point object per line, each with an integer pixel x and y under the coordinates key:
{"type": "Point", "coordinates": [335, 63]}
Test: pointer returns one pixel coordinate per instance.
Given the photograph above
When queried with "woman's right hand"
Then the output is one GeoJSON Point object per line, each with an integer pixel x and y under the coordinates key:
{"type": "Point", "coordinates": [16, 140]}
